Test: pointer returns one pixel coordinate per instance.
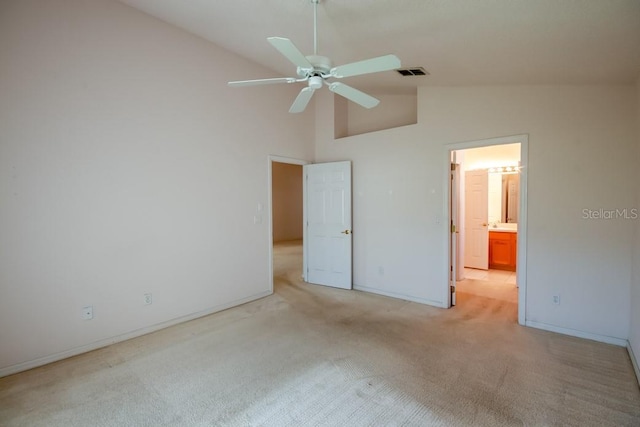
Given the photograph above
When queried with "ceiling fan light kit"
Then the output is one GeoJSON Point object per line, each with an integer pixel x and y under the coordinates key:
{"type": "Point", "coordinates": [315, 82]}
{"type": "Point", "coordinates": [317, 70]}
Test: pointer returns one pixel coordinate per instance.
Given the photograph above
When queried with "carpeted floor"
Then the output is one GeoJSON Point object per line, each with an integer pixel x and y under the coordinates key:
{"type": "Point", "coordinates": [315, 356]}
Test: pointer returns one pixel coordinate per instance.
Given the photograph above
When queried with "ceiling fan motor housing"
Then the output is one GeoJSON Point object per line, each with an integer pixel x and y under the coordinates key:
{"type": "Point", "coordinates": [321, 64]}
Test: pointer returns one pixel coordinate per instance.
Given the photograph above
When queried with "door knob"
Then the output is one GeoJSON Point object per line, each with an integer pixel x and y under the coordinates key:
{"type": "Point", "coordinates": [346, 232]}
{"type": "Point", "coordinates": [484, 224]}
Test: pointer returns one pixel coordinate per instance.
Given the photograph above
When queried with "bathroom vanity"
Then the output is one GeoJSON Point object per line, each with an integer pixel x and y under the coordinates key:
{"type": "Point", "coordinates": [503, 244]}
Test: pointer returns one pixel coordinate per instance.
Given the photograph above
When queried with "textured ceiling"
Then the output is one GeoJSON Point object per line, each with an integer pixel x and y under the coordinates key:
{"type": "Point", "coordinates": [460, 42]}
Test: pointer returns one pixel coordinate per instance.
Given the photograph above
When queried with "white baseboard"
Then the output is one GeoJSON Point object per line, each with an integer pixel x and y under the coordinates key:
{"type": "Point", "coordinates": [19, 367]}
{"type": "Point", "coordinates": [580, 334]}
{"type": "Point", "coordinates": [634, 362]}
{"type": "Point", "coordinates": [439, 304]}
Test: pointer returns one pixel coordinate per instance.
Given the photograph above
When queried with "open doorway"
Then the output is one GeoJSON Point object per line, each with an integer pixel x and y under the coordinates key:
{"type": "Point", "coordinates": [286, 218]}
{"type": "Point", "coordinates": [488, 202]}
{"type": "Point", "coordinates": [310, 212]}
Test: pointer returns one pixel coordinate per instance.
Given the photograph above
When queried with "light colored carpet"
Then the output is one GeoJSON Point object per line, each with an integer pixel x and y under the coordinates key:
{"type": "Point", "coordinates": [316, 356]}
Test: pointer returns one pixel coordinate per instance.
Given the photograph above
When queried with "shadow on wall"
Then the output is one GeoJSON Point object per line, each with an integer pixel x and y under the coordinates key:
{"type": "Point", "coordinates": [394, 110]}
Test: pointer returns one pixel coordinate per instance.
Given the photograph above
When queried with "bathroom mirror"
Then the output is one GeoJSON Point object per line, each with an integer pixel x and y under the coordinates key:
{"type": "Point", "coordinates": [510, 198]}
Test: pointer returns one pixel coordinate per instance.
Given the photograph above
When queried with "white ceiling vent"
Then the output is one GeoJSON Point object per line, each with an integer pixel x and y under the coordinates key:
{"type": "Point", "coordinates": [414, 71]}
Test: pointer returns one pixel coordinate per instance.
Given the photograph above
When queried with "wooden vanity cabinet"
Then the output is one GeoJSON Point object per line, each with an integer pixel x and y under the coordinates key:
{"type": "Point", "coordinates": [503, 250]}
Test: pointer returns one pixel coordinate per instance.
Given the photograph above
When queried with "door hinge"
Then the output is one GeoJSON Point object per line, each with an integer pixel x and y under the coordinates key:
{"type": "Point", "coordinates": [453, 289]}
{"type": "Point", "coordinates": [453, 166]}
{"type": "Point", "coordinates": [453, 227]}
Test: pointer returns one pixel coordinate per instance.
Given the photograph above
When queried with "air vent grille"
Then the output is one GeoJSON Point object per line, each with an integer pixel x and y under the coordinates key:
{"type": "Point", "coordinates": [413, 71]}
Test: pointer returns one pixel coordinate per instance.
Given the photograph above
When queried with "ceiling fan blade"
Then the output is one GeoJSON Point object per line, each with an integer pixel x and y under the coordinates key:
{"type": "Point", "coordinates": [302, 100]}
{"type": "Point", "coordinates": [290, 51]}
{"type": "Point", "coordinates": [352, 94]}
{"type": "Point", "coordinates": [262, 81]}
{"type": "Point", "coordinates": [373, 65]}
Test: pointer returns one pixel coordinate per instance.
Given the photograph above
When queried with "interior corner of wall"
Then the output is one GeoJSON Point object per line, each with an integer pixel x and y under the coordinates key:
{"type": "Point", "coordinates": [340, 117]}
{"type": "Point", "coordinates": [324, 117]}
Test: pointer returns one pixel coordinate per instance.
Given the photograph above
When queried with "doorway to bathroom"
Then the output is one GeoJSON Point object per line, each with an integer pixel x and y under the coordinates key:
{"type": "Point", "coordinates": [487, 213]}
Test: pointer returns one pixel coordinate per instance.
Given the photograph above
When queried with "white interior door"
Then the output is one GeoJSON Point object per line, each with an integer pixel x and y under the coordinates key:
{"type": "Point", "coordinates": [328, 231]}
{"type": "Point", "coordinates": [476, 219]}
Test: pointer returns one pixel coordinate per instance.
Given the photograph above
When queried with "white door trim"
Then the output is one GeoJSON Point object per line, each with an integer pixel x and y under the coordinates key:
{"type": "Point", "coordinates": [454, 188]}
{"type": "Point", "coordinates": [521, 269]}
{"type": "Point", "coordinates": [270, 160]}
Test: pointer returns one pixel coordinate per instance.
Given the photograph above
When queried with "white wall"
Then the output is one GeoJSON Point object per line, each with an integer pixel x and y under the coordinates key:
{"type": "Point", "coordinates": [126, 167]}
{"type": "Point", "coordinates": [286, 199]}
{"type": "Point", "coordinates": [634, 333]}
{"type": "Point", "coordinates": [495, 198]}
{"type": "Point", "coordinates": [582, 145]}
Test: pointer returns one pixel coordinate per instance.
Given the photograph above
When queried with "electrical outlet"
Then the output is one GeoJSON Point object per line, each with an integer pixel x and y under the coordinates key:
{"type": "Point", "coordinates": [87, 312]}
{"type": "Point", "coordinates": [148, 299]}
{"type": "Point", "coordinates": [556, 299]}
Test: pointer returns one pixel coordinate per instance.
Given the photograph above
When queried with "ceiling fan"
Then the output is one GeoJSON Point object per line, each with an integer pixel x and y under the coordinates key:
{"type": "Point", "coordinates": [317, 71]}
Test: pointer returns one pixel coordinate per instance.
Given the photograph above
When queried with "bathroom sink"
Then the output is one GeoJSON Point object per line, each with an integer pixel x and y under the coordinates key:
{"type": "Point", "coordinates": [504, 228]}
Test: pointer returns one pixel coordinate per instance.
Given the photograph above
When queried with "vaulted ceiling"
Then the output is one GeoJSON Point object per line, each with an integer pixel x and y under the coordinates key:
{"type": "Point", "coordinates": [459, 42]}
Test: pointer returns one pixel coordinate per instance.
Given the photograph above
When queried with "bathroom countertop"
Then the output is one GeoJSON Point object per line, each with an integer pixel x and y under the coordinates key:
{"type": "Point", "coordinates": [505, 228]}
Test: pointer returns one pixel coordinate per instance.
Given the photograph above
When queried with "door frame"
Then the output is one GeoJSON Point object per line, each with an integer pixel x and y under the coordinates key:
{"type": "Point", "coordinates": [454, 236]}
{"type": "Point", "coordinates": [279, 159]}
{"type": "Point", "coordinates": [521, 269]}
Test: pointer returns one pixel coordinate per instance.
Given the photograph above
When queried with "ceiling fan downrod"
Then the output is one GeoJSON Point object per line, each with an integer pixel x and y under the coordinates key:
{"type": "Point", "coordinates": [315, 26]}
